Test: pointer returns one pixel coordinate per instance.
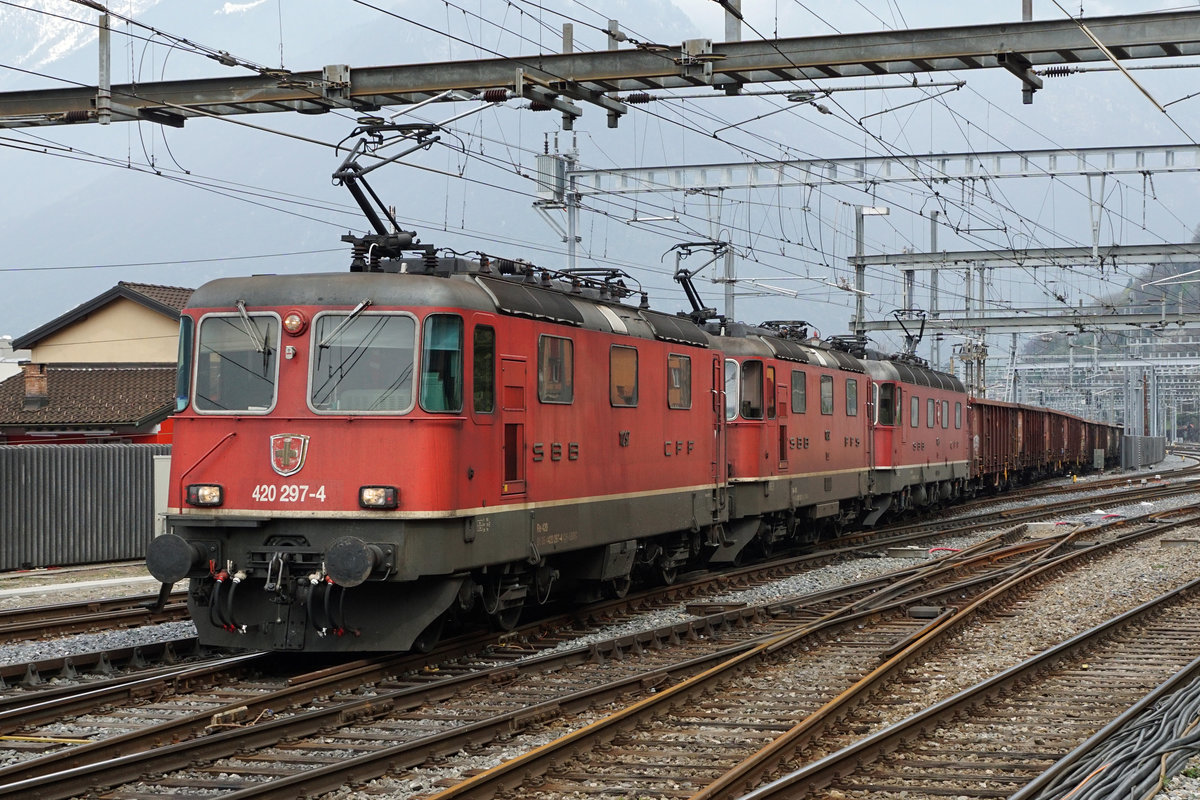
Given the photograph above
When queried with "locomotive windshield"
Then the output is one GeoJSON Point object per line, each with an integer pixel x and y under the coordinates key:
{"type": "Point", "coordinates": [363, 363]}
{"type": "Point", "coordinates": [236, 363]}
{"type": "Point", "coordinates": [183, 375]}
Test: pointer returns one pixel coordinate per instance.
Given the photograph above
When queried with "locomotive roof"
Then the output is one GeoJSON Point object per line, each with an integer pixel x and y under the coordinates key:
{"type": "Point", "coordinates": [471, 292]}
{"type": "Point", "coordinates": [527, 298]}
{"type": "Point", "coordinates": [907, 372]}
{"type": "Point", "coordinates": [743, 340]}
{"type": "Point", "coordinates": [339, 289]}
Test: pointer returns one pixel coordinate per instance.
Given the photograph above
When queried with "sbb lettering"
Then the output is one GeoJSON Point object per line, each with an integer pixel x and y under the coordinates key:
{"type": "Point", "coordinates": [556, 451]}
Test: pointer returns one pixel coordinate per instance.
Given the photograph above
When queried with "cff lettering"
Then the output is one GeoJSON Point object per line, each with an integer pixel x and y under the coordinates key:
{"type": "Point", "coordinates": [678, 448]}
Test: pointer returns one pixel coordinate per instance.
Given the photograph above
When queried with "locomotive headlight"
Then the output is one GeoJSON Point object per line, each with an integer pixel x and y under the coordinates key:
{"type": "Point", "coordinates": [205, 494]}
{"type": "Point", "coordinates": [378, 497]}
{"type": "Point", "coordinates": [294, 322]}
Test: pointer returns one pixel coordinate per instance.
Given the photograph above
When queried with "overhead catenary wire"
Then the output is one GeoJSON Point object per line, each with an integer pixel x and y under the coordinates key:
{"type": "Point", "coordinates": [826, 254]}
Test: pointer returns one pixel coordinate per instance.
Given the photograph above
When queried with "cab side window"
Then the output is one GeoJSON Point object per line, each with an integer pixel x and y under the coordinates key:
{"type": "Point", "coordinates": [771, 411]}
{"type": "Point", "coordinates": [441, 365]}
{"type": "Point", "coordinates": [799, 391]}
{"type": "Point", "coordinates": [885, 406]}
{"type": "Point", "coordinates": [731, 389]}
{"type": "Point", "coordinates": [752, 390]}
{"type": "Point", "coordinates": [679, 381]}
{"type": "Point", "coordinates": [623, 377]}
{"type": "Point", "coordinates": [484, 366]}
{"type": "Point", "coordinates": [556, 369]}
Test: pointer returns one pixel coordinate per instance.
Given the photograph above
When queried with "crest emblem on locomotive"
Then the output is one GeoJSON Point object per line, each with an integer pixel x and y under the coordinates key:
{"type": "Point", "coordinates": [287, 453]}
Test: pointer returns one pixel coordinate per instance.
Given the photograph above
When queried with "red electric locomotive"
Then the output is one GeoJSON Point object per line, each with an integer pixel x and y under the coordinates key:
{"type": "Point", "coordinates": [358, 455]}
{"type": "Point", "coordinates": [361, 457]}
{"type": "Point", "coordinates": [796, 437]}
{"type": "Point", "coordinates": [921, 436]}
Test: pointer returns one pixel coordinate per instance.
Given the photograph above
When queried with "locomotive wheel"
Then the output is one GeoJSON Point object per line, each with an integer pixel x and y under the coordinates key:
{"type": "Point", "coordinates": [506, 618]}
{"type": "Point", "coordinates": [666, 575]}
{"type": "Point", "coordinates": [617, 588]}
{"type": "Point", "coordinates": [502, 618]}
{"type": "Point", "coordinates": [766, 546]}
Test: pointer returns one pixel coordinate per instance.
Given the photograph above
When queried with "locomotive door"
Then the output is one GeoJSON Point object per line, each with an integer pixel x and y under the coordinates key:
{"type": "Point", "coordinates": [882, 423]}
{"type": "Point", "coordinates": [718, 446]}
{"type": "Point", "coordinates": [782, 397]}
{"type": "Point", "coordinates": [512, 409]}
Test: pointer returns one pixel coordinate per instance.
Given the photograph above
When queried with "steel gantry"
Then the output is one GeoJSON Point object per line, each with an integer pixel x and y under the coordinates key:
{"type": "Point", "coordinates": [930, 168]}
{"type": "Point", "coordinates": [613, 78]}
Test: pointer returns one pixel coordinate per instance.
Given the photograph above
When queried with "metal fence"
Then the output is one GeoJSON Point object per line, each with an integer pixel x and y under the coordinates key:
{"type": "Point", "coordinates": [1142, 451]}
{"type": "Point", "coordinates": [75, 504]}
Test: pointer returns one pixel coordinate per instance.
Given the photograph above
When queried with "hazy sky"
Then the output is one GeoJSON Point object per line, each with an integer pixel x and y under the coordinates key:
{"type": "Point", "coordinates": [88, 206]}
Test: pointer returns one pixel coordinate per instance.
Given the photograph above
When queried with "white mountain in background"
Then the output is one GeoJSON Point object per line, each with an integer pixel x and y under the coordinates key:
{"type": "Point", "coordinates": [42, 32]}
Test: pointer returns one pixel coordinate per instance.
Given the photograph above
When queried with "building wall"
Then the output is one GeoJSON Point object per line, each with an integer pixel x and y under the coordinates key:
{"type": "Point", "coordinates": [121, 332]}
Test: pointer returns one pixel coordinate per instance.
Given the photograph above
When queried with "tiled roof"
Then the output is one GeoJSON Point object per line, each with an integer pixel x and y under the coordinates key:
{"type": "Point", "coordinates": [174, 296]}
{"type": "Point", "coordinates": [92, 396]}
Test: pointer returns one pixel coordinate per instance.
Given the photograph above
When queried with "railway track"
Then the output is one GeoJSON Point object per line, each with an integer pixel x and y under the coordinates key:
{"type": "Point", "coordinates": [1040, 710]}
{"type": "Point", "coordinates": [382, 721]}
{"type": "Point", "coordinates": [399, 683]}
{"type": "Point", "coordinates": [680, 743]}
{"type": "Point", "coordinates": [965, 520]}
{"type": "Point", "coordinates": [460, 702]}
{"type": "Point", "coordinates": [62, 619]}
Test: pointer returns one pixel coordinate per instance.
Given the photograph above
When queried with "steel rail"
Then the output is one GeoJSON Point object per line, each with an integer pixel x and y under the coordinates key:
{"type": "Point", "coordinates": [120, 758]}
{"type": "Point", "coordinates": [47, 621]}
{"type": "Point", "coordinates": [820, 774]}
{"type": "Point", "coordinates": [747, 774]}
{"type": "Point", "coordinates": [511, 774]}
